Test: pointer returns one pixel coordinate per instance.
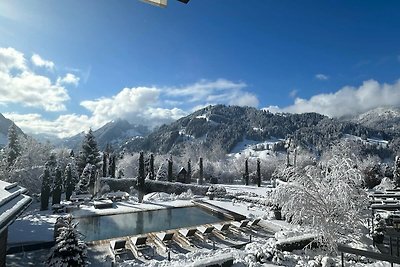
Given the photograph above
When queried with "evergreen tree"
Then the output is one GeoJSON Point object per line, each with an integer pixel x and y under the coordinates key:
{"type": "Point", "coordinates": [109, 150]}
{"type": "Point", "coordinates": [92, 179]}
{"type": "Point", "coordinates": [104, 167]}
{"type": "Point", "coordinates": [161, 173]}
{"type": "Point", "coordinates": [151, 166]}
{"type": "Point", "coordinates": [112, 166]}
{"type": "Point", "coordinates": [396, 171]}
{"type": "Point", "coordinates": [141, 169]}
{"type": "Point", "coordinates": [52, 165]}
{"type": "Point", "coordinates": [258, 173]}
{"type": "Point", "coordinates": [45, 192]}
{"type": "Point", "coordinates": [69, 186]}
{"type": "Point", "coordinates": [57, 188]}
{"type": "Point", "coordinates": [170, 164]}
{"type": "Point", "coordinates": [201, 172]}
{"type": "Point", "coordinates": [189, 172]}
{"type": "Point", "coordinates": [82, 186]}
{"type": "Point", "coordinates": [69, 250]}
{"type": "Point", "coordinates": [89, 153]}
{"type": "Point", "coordinates": [141, 178]}
{"type": "Point", "coordinates": [13, 148]}
{"type": "Point", "coordinates": [246, 172]}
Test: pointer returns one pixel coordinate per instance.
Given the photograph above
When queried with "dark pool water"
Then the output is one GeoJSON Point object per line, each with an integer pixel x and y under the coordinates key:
{"type": "Point", "coordinates": [109, 226]}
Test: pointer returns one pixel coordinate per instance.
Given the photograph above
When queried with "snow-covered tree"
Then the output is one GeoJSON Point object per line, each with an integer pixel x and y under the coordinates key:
{"type": "Point", "coordinates": [189, 171]}
{"type": "Point", "coordinates": [329, 200]}
{"type": "Point", "coordinates": [83, 185]}
{"type": "Point", "coordinates": [69, 182]}
{"type": "Point", "coordinates": [246, 172]}
{"type": "Point", "coordinates": [29, 166]}
{"type": "Point", "coordinates": [112, 165]}
{"type": "Point", "coordinates": [57, 187]}
{"type": "Point", "coordinates": [170, 165]}
{"type": "Point", "coordinates": [129, 165]}
{"type": "Point", "coordinates": [69, 250]}
{"type": "Point", "coordinates": [141, 176]}
{"type": "Point", "coordinates": [104, 166]}
{"type": "Point", "coordinates": [45, 192]}
{"type": "Point", "coordinates": [396, 171]}
{"type": "Point", "coordinates": [89, 153]}
{"type": "Point", "coordinates": [151, 167]}
{"type": "Point", "coordinates": [13, 147]}
{"type": "Point", "coordinates": [161, 173]}
{"type": "Point", "coordinates": [258, 173]}
{"type": "Point", "coordinates": [201, 171]}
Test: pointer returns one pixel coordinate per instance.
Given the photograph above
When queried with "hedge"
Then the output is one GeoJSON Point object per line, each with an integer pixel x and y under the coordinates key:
{"type": "Point", "coordinates": [124, 184]}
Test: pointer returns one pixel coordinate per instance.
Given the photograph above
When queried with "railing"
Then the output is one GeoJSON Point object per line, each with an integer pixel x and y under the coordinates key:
{"type": "Point", "coordinates": [369, 254]}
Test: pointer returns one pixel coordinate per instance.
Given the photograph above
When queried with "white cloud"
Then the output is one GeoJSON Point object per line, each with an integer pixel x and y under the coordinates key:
{"type": "Point", "coordinates": [244, 99]}
{"type": "Point", "coordinates": [220, 91]}
{"type": "Point", "coordinates": [69, 78]}
{"type": "Point", "coordinates": [139, 105]}
{"type": "Point", "coordinates": [40, 62]}
{"type": "Point", "coordinates": [20, 85]}
{"type": "Point", "coordinates": [348, 100]}
{"type": "Point", "coordinates": [321, 77]}
{"type": "Point", "coordinates": [63, 126]}
{"type": "Point", "coordinates": [11, 59]}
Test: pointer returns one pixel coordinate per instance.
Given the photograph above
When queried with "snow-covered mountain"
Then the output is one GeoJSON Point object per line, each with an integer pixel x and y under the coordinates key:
{"type": "Point", "coordinates": [226, 127]}
{"type": "Point", "coordinates": [4, 125]}
{"type": "Point", "coordinates": [114, 133]}
{"type": "Point", "coordinates": [382, 118]}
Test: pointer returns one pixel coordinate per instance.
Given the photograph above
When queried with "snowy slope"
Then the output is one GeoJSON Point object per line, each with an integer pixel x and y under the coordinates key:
{"type": "Point", "coordinates": [382, 118]}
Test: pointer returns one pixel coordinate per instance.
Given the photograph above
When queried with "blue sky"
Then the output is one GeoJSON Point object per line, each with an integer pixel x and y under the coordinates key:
{"type": "Point", "coordinates": [69, 65]}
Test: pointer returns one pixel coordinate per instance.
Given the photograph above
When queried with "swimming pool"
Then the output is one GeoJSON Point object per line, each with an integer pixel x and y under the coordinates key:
{"type": "Point", "coordinates": [103, 227]}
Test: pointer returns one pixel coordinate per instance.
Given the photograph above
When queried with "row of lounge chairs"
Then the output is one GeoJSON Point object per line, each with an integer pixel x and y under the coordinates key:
{"type": "Point", "coordinates": [145, 246]}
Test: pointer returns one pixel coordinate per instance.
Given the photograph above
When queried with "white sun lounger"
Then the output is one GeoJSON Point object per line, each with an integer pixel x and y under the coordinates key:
{"type": "Point", "coordinates": [117, 248]}
{"type": "Point", "coordinates": [165, 236]}
{"type": "Point", "coordinates": [222, 226]}
{"type": "Point", "coordinates": [203, 231]}
{"type": "Point", "coordinates": [162, 239]}
{"type": "Point", "coordinates": [240, 224]}
{"type": "Point", "coordinates": [185, 236]}
{"type": "Point", "coordinates": [188, 233]}
{"type": "Point", "coordinates": [138, 243]}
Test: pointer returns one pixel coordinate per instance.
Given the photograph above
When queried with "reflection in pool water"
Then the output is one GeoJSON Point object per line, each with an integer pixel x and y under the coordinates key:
{"type": "Point", "coordinates": [110, 226]}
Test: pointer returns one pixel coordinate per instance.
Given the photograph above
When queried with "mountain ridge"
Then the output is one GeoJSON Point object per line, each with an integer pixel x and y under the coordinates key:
{"type": "Point", "coordinates": [224, 127]}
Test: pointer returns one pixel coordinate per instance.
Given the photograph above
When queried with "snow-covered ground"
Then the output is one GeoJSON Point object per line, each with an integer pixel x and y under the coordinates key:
{"type": "Point", "coordinates": [247, 145]}
{"type": "Point", "coordinates": [372, 141]}
{"type": "Point", "coordinates": [250, 201]}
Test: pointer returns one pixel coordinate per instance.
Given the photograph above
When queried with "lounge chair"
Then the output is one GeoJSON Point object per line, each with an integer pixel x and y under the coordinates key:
{"type": "Point", "coordinates": [240, 224]}
{"type": "Point", "coordinates": [118, 248]}
{"type": "Point", "coordinates": [254, 222]}
{"type": "Point", "coordinates": [204, 231]}
{"type": "Point", "coordinates": [221, 228]}
{"type": "Point", "coordinates": [162, 239]}
{"type": "Point", "coordinates": [165, 236]}
{"type": "Point", "coordinates": [187, 232]}
{"type": "Point", "coordinates": [138, 243]}
{"type": "Point", "coordinates": [186, 235]}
